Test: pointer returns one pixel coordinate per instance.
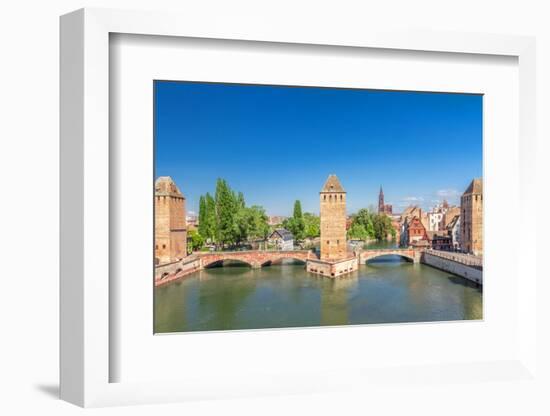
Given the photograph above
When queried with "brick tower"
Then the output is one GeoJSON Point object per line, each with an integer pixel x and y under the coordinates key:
{"type": "Point", "coordinates": [170, 225]}
{"type": "Point", "coordinates": [471, 221]}
{"type": "Point", "coordinates": [333, 220]}
{"type": "Point", "coordinates": [381, 205]}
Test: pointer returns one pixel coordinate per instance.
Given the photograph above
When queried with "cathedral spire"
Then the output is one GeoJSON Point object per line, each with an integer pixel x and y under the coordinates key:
{"type": "Point", "coordinates": [381, 200]}
{"type": "Point", "coordinates": [383, 208]}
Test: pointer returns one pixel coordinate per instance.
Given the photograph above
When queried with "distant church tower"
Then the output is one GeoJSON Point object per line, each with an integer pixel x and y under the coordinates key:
{"type": "Point", "coordinates": [381, 206]}
{"type": "Point", "coordinates": [170, 224]}
{"type": "Point", "coordinates": [333, 220]}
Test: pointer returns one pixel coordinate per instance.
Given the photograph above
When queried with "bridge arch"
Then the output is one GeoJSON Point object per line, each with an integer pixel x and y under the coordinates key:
{"type": "Point", "coordinates": [254, 259]}
{"type": "Point", "coordinates": [279, 260]}
{"type": "Point", "coordinates": [378, 256]}
{"type": "Point", "coordinates": [211, 263]}
{"type": "Point", "coordinates": [410, 255]}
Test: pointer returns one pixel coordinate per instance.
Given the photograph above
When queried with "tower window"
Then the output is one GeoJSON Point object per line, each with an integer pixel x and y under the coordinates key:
{"type": "Point", "coordinates": [164, 246]}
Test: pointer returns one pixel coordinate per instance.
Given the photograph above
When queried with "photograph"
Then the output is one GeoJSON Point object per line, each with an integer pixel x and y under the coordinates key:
{"type": "Point", "coordinates": [282, 206]}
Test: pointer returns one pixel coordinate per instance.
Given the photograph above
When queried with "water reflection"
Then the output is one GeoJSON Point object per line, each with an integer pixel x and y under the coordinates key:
{"type": "Point", "coordinates": [388, 289]}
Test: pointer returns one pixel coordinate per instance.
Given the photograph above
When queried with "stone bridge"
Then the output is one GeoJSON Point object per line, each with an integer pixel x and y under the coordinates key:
{"type": "Point", "coordinates": [411, 254]}
{"type": "Point", "coordinates": [256, 258]}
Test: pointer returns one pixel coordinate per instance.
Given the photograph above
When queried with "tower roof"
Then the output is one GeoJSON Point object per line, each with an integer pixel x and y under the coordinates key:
{"type": "Point", "coordinates": [476, 187]}
{"type": "Point", "coordinates": [332, 185]}
{"type": "Point", "coordinates": [165, 185]}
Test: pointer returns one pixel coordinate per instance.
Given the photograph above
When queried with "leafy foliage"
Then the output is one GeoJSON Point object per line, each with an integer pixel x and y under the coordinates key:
{"type": "Point", "coordinates": [369, 225]}
{"type": "Point", "coordinates": [226, 220]}
{"type": "Point", "coordinates": [195, 239]}
{"type": "Point", "coordinates": [296, 224]}
{"type": "Point", "coordinates": [312, 225]}
{"type": "Point", "coordinates": [226, 210]}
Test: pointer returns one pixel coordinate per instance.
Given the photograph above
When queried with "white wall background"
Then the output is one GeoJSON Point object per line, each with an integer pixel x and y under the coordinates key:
{"type": "Point", "coordinates": [29, 206]}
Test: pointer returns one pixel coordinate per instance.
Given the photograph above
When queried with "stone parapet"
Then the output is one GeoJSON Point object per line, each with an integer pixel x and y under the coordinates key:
{"type": "Point", "coordinates": [471, 273]}
{"type": "Point", "coordinates": [169, 272]}
{"type": "Point", "coordinates": [332, 269]}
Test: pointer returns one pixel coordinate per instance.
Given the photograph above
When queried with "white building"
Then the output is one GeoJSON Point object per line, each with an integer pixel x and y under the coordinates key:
{"type": "Point", "coordinates": [283, 239]}
{"type": "Point", "coordinates": [435, 220]}
{"type": "Point", "coordinates": [453, 229]}
{"type": "Point", "coordinates": [436, 217]}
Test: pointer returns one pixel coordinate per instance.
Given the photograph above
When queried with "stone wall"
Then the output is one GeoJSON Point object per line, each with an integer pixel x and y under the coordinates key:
{"type": "Point", "coordinates": [445, 264]}
{"type": "Point", "coordinates": [173, 271]}
{"type": "Point", "coordinates": [332, 269]}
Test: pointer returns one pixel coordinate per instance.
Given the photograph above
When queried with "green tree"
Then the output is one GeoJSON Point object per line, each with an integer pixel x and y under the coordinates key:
{"type": "Point", "coordinates": [312, 225]}
{"type": "Point", "coordinates": [226, 209]}
{"type": "Point", "coordinates": [241, 225]}
{"type": "Point", "coordinates": [240, 200]}
{"type": "Point", "coordinates": [207, 217]}
{"type": "Point", "coordinates": [211, 229]}
{"type": "Point", "coordinates": [225, 219]}
{"type": "Point", "coordinates": [203, 222]}
{"type": "Point", "coordinates": [297, 224]}
{"type": "Point", "coordinates": [251, 223]}
{"type": "Point", "coordinates": [365, 218]}
{"type": "Point", "coordinates": [195, 241]}
{"type": "Point", "coordinates": [259, 227]}
{"type": "Point", "coordinates": [358, 231]}
{"type": "Point", "coordinates": [382, 226]}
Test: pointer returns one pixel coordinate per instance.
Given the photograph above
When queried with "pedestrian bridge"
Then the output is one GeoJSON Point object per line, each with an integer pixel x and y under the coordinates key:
{"type": "Point", "coordinates": [411, 254]}
{"type": "Point", "coordinates": [254, 258]}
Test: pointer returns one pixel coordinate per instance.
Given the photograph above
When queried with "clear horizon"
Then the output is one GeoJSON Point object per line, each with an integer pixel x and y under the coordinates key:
{"type": "Point", "coordinates": [277, 144]}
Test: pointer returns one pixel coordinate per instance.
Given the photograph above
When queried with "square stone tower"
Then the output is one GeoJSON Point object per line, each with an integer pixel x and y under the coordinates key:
{"type": "Point", "coordinates": [333, 220]}
{"type": "Point", "coordinates": [471, 221]}
{"type": "Point", "coordinates": [170, 224]}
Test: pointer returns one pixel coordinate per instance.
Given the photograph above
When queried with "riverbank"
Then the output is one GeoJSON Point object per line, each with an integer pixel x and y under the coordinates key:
{"type": "Point", "coordinates": [468, 267]}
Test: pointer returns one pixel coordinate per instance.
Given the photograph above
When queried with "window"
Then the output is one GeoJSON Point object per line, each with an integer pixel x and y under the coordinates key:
{"type": "Point", "coordinates": [324, 197]}
{"type": "Point", "coordinates": [164, 246]}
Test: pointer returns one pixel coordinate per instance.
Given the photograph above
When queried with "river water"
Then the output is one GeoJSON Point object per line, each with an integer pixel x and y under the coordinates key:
{"type": "Point", "coordinates": [386, 290]}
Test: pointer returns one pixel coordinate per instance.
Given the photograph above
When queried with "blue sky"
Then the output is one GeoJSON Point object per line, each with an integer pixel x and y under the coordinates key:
{"type": "Point", "coordinates": [278, 144]}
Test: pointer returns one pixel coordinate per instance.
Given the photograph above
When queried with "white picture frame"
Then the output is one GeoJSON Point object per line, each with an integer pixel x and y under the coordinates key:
{"type": "Point", "coordinates": [86, 355]}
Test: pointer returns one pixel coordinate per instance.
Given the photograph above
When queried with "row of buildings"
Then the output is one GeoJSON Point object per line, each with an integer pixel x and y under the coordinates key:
{"type": "Point", "coordinates": [444, 227]}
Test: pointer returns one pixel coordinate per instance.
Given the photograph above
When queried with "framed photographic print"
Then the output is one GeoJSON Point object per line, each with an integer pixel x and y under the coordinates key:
{"type": "Point", "coordinates": [295, 245]}
{"type": "Point", "coordinates": [321, 199]}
